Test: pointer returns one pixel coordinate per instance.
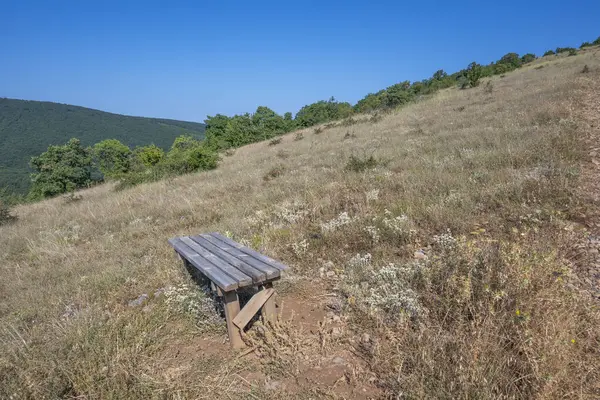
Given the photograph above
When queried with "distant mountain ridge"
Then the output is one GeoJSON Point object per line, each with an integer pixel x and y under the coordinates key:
{"type": "Point", "coordinates": [28, 127]}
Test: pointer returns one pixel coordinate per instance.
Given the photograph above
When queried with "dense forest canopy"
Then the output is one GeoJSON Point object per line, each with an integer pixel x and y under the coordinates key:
{"type": "Point", "coordinates": [27, 128]}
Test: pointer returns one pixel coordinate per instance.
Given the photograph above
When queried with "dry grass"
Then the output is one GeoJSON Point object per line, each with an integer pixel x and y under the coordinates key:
{"type": "Point", "coordinates": [494, 315]}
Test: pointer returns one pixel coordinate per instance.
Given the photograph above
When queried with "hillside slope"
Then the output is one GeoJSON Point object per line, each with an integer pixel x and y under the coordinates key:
{"type": "Point", "coordinates": [27, 128]}
{"type": "Point", "coordinates": [459, 261]}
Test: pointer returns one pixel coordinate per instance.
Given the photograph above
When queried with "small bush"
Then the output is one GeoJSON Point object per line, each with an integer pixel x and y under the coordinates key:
{"type": "Point", "coordinates": [299, 136]}
{"type": "Point", "coordinates": [318, 130]}
{"type": "Point", "coordinates": [572, 52]}
{"type": "Point", "coordinates": [358, 164]}
{"type": "Point", "coordinates": [349, 121]}
{"type": "Point", "coordinates": [585, 44]}
{"type": "Point", "coordinates": [375, 118]}
{"type": "Point", "coordinates": [489, 87]}
{"type": "Point", "coordinates": [585, 69]}
{"type": "Point", "coordinates": [274, 172]}
{"type": "Point", "coordinates": [460, 109]}
{"type": "Point", "coordinates": [275, 141]}
{"type": "Point", "coordinates": [539, 67]}
{"type": "Point", "coordinates": [5, 214]}
{"type": "Point", "coordinates": [349, 135]}
{"type": "Point", "coordinates": [549, 53]}
{"type": "Point", "coordinates": [462, 82]}
{"type": "Point", "coordinates": [229, 152]}
{"type": "Point", "coordinates": [71, 197]}
{"type": "Point", "coordinates": [283, 154]}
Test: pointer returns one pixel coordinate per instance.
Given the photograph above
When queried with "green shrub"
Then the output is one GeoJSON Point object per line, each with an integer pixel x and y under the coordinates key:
{"type": "Point", "coordinates": [462, 82]}
{"type": "Point", "coordinates": [149, 156]}
{"type": "Point", "coordinates": [6, 216]}
{"type": "Point", "coordinates": [572, 52]}
{"type": "Point", "coordinates": [318, 130]}
{"type": "Point", "coordinates": [585, 69]}
{"type": "Point", "coordinates": [549, 53]}
{"type": "Point", "coordinates": [596, 42]}
{"type": "Point", "coordinates": [489, 87]}
{"type": "Point", "coordinates": [299, 136]}
{"type": "Point", "coordinates": [274, 172]}
{"type": "Point", "coordinates": [359, 164]}
{"type": "Point", "coordinates": [275, 141]}
{"type": "Point", "coordinates": [527, 58]}
{"type": "Point", "coordinates": [585, 44]}
{"type": "Point", "coordinates": [560, 50]}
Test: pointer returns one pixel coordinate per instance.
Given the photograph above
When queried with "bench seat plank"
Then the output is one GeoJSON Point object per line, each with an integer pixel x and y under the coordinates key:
{"type": "Point", "coordinates": [267, 260]}
{"type": "Point", "coordinates": [237, 275]}
{"type": "Point", "coordinates": [255, 274]}
{"type": "Point", "coordinates": [268, 272]}
{"type": "Point", "coordinates": [224, 281]}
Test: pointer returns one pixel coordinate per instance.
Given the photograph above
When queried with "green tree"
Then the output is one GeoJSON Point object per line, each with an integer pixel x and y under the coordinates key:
{"type": "Point", "coordinates": [512, 60]}
{"type": "Point", "coordinates": [60, 169]}
{"type": "Point", "coordinates": [473, 74]}
{"type": "Point", "coordinates": [113, 157]}
{"type": "Point", "coordinates": [549, 53]}
{"type": "Point", "coordinates": [323, 111]}
{"type": "Point", "coordinates": [527, 58]}
{"type": "Point", "coordinates": [188, 155]}
{"type": "Point", "coordinates": [585, 44]}
{"type": "Point", "coordinates": [216, 130]}
{"type": "Point", "coordinates": [596, 42]}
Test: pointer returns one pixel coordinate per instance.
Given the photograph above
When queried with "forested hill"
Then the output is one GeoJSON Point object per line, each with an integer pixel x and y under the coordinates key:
{"type": "Point", "coordinates": [27, 128]}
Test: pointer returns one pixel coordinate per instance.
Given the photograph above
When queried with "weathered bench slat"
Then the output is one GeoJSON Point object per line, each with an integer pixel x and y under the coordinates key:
{"type": "Point", "coordinates": [250, 252]}
{"type": "Point", "coordinates": [224, 281]}
{"type": "Point", "coordinates": [268, 272]}
{"type": "Point", "coordinates": [256, 275]}
{"type": "Point", "coordinates": [237, 275]}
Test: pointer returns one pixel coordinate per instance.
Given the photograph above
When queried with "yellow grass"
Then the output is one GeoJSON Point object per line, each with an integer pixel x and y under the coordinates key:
{"type": "Point", "coordinates": [500, 313]}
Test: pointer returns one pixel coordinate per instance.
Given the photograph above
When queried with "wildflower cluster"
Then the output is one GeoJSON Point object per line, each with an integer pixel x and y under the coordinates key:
{"type": "Point", "coordinates": [395, 228]}
{"type": "Point", "coordinates": [372, 195]}
{"type": "Point", "coordinates": [390, 290]}
{"type": "Point", "coordinates": [336, 223]}
{"type": "Point", "coordinates": [445, 241]}
{"type": "Point", "coordinates": [192, 301]}
{"type": "Point", "coordinates": [300, 248]}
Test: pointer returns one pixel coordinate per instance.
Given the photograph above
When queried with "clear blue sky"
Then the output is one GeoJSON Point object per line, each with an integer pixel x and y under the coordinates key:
{"type": "Point", "coordinates": [185, 60]}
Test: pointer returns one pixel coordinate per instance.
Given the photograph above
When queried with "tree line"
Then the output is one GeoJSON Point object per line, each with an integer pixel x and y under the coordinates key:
{"type": "Point", "coordinates": [71, 166]}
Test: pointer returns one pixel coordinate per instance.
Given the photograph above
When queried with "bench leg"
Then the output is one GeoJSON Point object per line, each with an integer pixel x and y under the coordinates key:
{"type": "Point", "coordinates": [269, 311]}
{"type": "Point", "coordinates": [232, 308]}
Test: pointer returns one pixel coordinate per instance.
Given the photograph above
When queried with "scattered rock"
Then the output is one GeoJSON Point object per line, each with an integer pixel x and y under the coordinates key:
{"type": "Point", "coordinates": [138, 301]}
{"type": "Point", "coordinates": [70, 311]}
{"type": "Point", "coordinates": [420, 255]}
{"type": "Point", "coordinates": [337, 360]}
{"type": "Point", "coordinates": [322, 272]}
{"type": "Point", "coordinates": [274, 385]}
{"type": "Point", "coordinates": [365, 338]}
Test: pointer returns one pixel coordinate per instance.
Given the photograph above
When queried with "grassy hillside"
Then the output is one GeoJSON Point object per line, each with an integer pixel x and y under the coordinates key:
{"type": "Point", "coordinates": [446, 250]}
{"type": "Point", "coordinates": [27, 128]}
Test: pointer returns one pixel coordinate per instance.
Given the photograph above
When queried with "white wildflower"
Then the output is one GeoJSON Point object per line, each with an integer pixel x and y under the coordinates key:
{"type": "Point", "coordinates": [334, 224]}
{"type": "Point", "coordinates": [373, 233]}
{"type": "Point", "coordinates": [300, 248]}
{"type": "Point", "coordinates": [372, 195]}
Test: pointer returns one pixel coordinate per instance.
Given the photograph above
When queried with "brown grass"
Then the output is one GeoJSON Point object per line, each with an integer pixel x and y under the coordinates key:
{"type": "Point", "coordinates": [495, 314]}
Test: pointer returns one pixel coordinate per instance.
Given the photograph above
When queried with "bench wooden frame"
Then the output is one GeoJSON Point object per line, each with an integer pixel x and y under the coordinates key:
{"type": "Point", "coordinates": [231, 266]}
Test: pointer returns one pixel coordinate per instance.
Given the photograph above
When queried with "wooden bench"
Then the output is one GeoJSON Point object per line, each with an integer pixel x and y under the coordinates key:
{"type": "Point", "coordinates": [231, 267]}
